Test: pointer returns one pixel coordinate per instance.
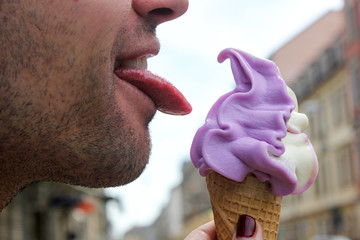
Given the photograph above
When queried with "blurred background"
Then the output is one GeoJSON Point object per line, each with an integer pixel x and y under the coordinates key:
{"type": "Point", "coordinates": [316, 45]}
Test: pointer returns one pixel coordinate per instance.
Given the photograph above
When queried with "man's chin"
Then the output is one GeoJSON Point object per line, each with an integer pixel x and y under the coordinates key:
{"type": "Point", "coordinates": [103, 180]}
{"type": "Point", "coordinates": [114, 178]}
{"type": "Point", "coordinates": [120, 180]}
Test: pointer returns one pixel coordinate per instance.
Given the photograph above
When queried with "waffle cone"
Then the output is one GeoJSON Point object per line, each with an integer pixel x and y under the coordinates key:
{"type": "Point", "coordinates": [230, 199]}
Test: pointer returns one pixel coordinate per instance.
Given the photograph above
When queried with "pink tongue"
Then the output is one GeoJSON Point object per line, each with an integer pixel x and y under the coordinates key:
{"type": "Point", "coordinates": [165, 96]}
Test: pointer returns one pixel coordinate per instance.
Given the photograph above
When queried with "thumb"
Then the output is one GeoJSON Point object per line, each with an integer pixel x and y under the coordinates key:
{"type": "Point", "coordinates": [205, 232]}
{"type": "Point", "coordinates": [248, 229]}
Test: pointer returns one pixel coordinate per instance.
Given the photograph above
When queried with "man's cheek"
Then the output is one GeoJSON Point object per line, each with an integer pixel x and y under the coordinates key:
{"type": "Point", "coordinates": [100, 18]}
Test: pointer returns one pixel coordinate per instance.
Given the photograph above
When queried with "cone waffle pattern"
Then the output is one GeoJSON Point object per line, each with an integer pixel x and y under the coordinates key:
{"type": "Point", "coordinates": [230, 199]}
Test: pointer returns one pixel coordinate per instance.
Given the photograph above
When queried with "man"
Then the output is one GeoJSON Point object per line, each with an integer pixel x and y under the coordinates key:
{"type": "Point", "coordinates": [66, 114]}
{"type": "Point", "coordinates": [75, 98]}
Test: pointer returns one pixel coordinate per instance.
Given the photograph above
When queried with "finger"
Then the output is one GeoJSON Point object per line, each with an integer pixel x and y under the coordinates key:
{"type": "Point", "coordinates": [248, 229]}
{"type": "Point", "coordinates": [204, 232]}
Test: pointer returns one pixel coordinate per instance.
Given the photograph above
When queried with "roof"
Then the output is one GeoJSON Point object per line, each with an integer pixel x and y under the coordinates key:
{"type": "Point", "coordinates": [295, 56]}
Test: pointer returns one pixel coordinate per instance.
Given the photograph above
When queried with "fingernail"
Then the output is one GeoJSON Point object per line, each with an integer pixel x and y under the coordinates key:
{"type": "Point", "coordinates": [246, 226]}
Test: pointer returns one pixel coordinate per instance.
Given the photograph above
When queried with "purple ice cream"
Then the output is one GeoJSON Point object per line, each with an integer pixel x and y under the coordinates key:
{"type": "Point", "coordinates": [244, 129]}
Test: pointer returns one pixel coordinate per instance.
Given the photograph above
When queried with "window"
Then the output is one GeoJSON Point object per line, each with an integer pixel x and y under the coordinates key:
{"type": "Point", "coordinates": [351, 22]}
{"type": "Point", "coordinates": [300, 88]}
{"type": "Point", "coordinates": [339, 109]}
{"type": "Point", "coordinates": [310, 130]}
{"type": "Point", "coordinates": [354, 68]}
{"type": "Point", "coordinates": [322, 120]}
{"type": "Point", "coordinates": [315, 73]}
{"type": "Point", "coordinates": [344, 166]}
{"type": "Point", "coordinates": [328, 61]}
{"type": "Point", "coordinates": [322, 181]}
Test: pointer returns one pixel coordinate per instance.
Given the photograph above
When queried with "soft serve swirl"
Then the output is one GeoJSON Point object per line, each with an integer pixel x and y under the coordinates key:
{"type": "Point", "coordinates": [248, 130]}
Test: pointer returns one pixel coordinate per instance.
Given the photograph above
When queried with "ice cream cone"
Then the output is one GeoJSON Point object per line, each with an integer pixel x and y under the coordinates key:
{"type": "Point", "coordinates": [230, 199]}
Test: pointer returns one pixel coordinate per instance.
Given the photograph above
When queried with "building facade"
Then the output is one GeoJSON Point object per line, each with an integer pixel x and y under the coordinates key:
{"type": "Point", "coordinates": [352, 11]}
{"type": "Point", "coordinates": [45, 211]}
{"type": "Point", "coordinates": [318, 67]}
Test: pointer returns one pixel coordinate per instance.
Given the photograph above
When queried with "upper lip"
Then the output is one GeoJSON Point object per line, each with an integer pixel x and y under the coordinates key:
{"type": "Point", "coordinates": [136, 58]}
{"type": "Point", "coordinates": [139, 62]}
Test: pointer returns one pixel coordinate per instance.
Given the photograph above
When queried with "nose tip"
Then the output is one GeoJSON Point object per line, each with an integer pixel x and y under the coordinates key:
{"type": "Point", "coordinates": [160, 10]}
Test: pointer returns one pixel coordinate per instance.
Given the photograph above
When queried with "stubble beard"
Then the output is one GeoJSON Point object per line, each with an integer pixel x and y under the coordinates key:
{"type": "Point", "coordinates": [107, 150]}
{"type": "Point", "coordinates": [90, 143]}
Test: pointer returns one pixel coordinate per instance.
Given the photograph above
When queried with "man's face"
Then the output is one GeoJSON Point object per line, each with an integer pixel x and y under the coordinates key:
{"type": "Point", "coordinates": [64, 114]}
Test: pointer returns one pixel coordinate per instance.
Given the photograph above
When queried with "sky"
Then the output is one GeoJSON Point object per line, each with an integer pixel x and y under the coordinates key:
{"type": "Point", "coordinates": [188, 59]}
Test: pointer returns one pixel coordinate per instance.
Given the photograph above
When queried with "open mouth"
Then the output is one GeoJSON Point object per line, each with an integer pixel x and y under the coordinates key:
{"type": "Point", "coordinates": [140, 62]}
{"type": "Point", "coordinates": [165, 96]}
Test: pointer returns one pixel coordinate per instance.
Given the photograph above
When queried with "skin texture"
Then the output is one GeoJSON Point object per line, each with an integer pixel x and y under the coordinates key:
{"type": "Point", "coordinates": [208, 232]}
{"type": "Point", "coordinates": [64, 115]}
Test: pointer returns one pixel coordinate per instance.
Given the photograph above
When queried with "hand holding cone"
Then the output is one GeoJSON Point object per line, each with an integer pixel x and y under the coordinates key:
{"type": "Point", "coordinates": [230, 199]}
